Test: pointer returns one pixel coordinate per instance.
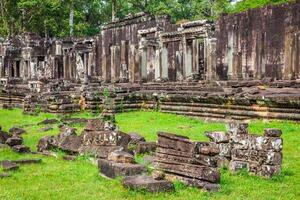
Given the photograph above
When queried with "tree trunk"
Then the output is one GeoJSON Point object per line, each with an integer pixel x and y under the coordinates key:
{"type": "Point", "coordinates": [114, 10]}
{"type": "Point", "coordinates": [71, 22]}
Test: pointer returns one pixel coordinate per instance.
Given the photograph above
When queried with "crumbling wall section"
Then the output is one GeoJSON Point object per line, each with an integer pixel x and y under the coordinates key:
{"type": "Point", "coordinates": [259, 155]}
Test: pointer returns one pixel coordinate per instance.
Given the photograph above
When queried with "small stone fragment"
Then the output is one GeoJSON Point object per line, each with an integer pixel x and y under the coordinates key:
{"type": "Point", "coordinates": [13, 141]}
{"type": "Point", "coordinates": [217, 137]}
{"type": "Point", "coordinates": [16, 131]}
{"type": "Point", "coordinates": [8, 165]}
{"type": "Point", "coordinates": [48, 121]}
{"type": "Point", "coordinates": [69, 157]}
{"type": "Point", "coordinates": [28, 161]}
{"type": "Point", "coordinates": [21, 149]}
{"type": "Point", "coordinates": [112, 170]}
{"type": "Point", "coordinates": [272, 132]}
{"type": "Point", "coordinates": [121, 157]}
{"type": "Point", "coordinates": [136, 138]}
{"type": "Point", "coordinates": [158, 175]}
{"type": "Point", "coordinates": [4, 136]}
{"type": "Point", "coordinates": [145, 147]}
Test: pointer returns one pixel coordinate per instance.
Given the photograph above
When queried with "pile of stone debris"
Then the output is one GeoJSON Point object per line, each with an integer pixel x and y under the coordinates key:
{"type": "Point", "coordinates": [14, 140]}
{"type": "Point", "coordinates": [172, 157]}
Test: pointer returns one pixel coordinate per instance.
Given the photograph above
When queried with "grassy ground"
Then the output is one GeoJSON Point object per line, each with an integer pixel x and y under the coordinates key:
{"type": "Point", "coordinates": [59, 179]}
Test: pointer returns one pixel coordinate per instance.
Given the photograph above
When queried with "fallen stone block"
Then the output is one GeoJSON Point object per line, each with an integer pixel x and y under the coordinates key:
{"type": "Point", "coordinates": [145, 147]}
{"type": "Point", "coordinates": [218, 137]}
{"type": "Point", "coordinates": [190, 170]}
{"type": "Point", "coordinates": [272, 132]}
{"type": "Point", "coordinates": [16, 131]}
{"type": "Point", "coordinates": [46, 129]}
{"type": "Point", "coordinates": [205, 148]}
{"type": "Point", "coordinates": [48, 121]}
{"type": "Point", "coordinates": [71, 144]}
{"type": "Point", "coordinates": [143, 182]}
{"type": "Point", "coordinates": [8, 165]}
{"type": "Point", "coordinates": [158, 175]}
{"type": "Point", "coordinates": [13, 141]}
{"type": "Point", "coordinates": [69, 157]}
{"type": "Point", "coordinates": [27, 161]}
{"type": "Point", "coordinates": [46, 143]}
{"type": "Point", "coordinates": [208, 186]}
{"type": "Point", "coordinates": [121, 157]}
{"type": "Point", "coordinates": [112, 170]}
{"type": "Point", "coordinates": [71, 121]}
{"type": "Point", "coordinates": [95, 125]}
{"type": "Point", "coordinates": [21, 149]}
{"type": "Point", "coordinates": [175, 142]}
{"type": "Point", "coordinates": [4, 136]}
{"type": "Point", "coordinates": [136, 138]}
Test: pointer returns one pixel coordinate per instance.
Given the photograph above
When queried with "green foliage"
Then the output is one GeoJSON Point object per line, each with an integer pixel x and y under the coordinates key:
{"type": "Point", "coordinates": [249, 4]}
{"type": "Point", "coordinates": [51, 17]}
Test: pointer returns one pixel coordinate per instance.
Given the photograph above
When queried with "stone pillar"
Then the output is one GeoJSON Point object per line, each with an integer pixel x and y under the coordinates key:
{"type": "Point", "coordinates": [113, 63]}
{"type": "Point", "coordinates": [1, 67]}
{"type": "Point", "coordinates": [210, 58]}
{"type": "Point", "coordinates": [230, 51]}
{"type": "Point", "coordinates": [132, 63]}
{"type": "Point", "coordinates": [188, 61]}
{"type": "Point", "coordinates": [195, 59]}
{"type": "Point", "coordinates": [143, 62]}
{"type": "Point", "coordinates": [187, 58]}
{"type": "Point", "coordinates": [85, 64]}
{"type": "Point", "coordinates": [124, 61]}
{"type": "Point", "coordinates": [90, 63]}
{"type": "Point", "coordinates": [66, 66]}
{"type": "Point", "coordinates": [260, 62]}
{"type": "Point", "coordinates": [157, 65]}
{"type": "Point", "coordinates": [164, 62]}
{"type": "Point", "coordinates": [291, 56]}
{"type": "Point", "coordinates": [178, 64]}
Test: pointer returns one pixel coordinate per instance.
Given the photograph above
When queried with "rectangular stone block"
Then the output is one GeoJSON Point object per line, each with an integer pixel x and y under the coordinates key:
{"type": "Point", "coordinates": [218, 137]}
{"type": "Point", "coordinates": [112, 170]}
{"type": "Point", "coordinates": [211, 187]}
{"type": "Point", "coordinates": [176, 142]}
{"type": "Point", "coordinates": [190, 170]}
{"type": "Point", "coordinates": [269, 170]}
{"type": "Point", "coordinates": [272, 132]}
{"type": "Point", "coordinates": [235, 165]}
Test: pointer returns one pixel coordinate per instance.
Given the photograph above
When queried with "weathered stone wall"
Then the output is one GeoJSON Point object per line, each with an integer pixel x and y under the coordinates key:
{"type": "Point", "coordinates": [260, 43]}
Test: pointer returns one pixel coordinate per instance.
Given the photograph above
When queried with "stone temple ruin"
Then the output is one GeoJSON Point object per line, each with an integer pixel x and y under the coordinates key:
{"type": "Point", "coordinates": [242, 66]}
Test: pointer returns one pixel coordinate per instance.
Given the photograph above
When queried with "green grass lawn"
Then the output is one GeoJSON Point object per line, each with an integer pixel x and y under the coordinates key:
{"type": "Point", "coordinates": [59, 179]}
